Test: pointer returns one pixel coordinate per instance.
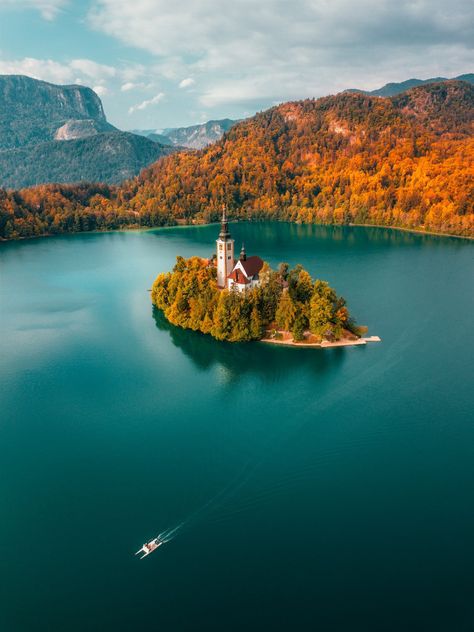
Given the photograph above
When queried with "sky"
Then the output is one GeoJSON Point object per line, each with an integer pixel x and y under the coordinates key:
{"type": "Point", "coordinates": [165, 63]}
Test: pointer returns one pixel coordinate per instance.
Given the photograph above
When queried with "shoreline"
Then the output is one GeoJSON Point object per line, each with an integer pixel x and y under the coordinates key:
{"type": "Point", "coordinates": [198, 225]}
{"type": "Point", "coordinates": [324, 344]}
{"type": "Point", "coordinates": [406, 230]}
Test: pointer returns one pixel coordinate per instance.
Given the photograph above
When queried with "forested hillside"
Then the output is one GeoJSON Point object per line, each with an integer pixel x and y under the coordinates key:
{"type": "Point", "coordinates": [53, 133]}
{"type": "Point", "coordinates": [110, 157]}
{"type": "Point", "coordinates": [403, 161]}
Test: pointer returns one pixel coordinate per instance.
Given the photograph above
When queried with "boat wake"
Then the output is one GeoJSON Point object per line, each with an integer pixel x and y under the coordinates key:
{"type": "Point", "coordinates": [230, 501]}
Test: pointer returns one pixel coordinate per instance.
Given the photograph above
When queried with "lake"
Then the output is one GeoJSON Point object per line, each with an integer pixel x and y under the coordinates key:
{"type": "Point", "coordinates": [314, 489]}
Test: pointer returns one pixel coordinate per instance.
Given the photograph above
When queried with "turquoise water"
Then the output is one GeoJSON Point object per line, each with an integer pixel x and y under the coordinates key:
{"type": "Point", "coordinates": [319, 489]}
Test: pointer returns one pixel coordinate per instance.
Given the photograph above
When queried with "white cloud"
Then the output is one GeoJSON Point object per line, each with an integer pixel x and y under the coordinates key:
{"type": "Point", "coordinates": [49, 9]}
{"type": "Point", "coordinates": [145, 104]}
{"type": "Point", "coordinates": [132, 72]}
{"type": "Point", "coordinates": [131, 85]}
{"type": "Point", "coordinates": [101, 90]}
{"type": "Point", "coordinates": [45, 69]}
{"type": "Point", "coordinates": [275, 49]}
{"type": "Point", "coordinates": [92, 69]}
{"type": "Point", "coordinates": [186, 83]}
{"type": "Point", "coordinates": [237, 91]}
{"type": "Point", "coordinates": [78, 71]}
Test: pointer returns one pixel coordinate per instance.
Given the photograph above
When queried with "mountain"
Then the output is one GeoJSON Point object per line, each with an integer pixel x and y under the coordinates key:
{"type": "Point", "coordinates": [392, 89]}
{"type": "Point", "coordinates": [52, 133]}
{"type": "Point", "coordinates": [33, 111]}
{"type": "Point", "coordinates": [350, 158]}
{"type": "Point", "coordinates": [193, 137]}
{"type": "Point", "coordinates": [108, 157]}
{"type": "Point", "coordinates": [403, 161]}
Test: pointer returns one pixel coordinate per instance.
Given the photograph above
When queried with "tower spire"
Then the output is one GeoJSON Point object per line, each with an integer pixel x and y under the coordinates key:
{"type": "Point", "coordinates": [225, 252]}
{"type": "Point", "coordinates": [243, 254]}
{"type": "Point", "coordinates": [224, 234]}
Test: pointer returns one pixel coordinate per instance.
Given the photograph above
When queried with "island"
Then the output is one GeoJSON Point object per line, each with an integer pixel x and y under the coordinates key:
{"type": "Point", "coordinates": [244, 299]}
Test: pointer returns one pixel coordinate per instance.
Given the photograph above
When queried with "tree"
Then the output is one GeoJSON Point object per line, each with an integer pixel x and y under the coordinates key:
{"type": "Point", "coordinates": [303, 288]}
{"type": "Point", "coordinates": [271, 289]}
{"type": "Point", "coordinates": [189, 298]}
{"type": "Point", "coordinates": [283, 269]}
{"type": "Point", "coordinates": [256, 325]}
{"type": "Point", "coordinates": [320, 315]}
{"type": "Point", "coordinates": [286, 312]}
{"type": "Point", "coordinates": [299, 325]}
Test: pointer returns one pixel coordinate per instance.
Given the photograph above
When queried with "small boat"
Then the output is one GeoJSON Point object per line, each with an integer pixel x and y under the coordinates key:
{"type": "Point", "coordinates": [149, 547]}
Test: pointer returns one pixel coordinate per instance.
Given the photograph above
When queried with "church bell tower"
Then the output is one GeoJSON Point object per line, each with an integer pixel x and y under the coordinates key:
{"type": "Point", "coordinates": [225, 252]}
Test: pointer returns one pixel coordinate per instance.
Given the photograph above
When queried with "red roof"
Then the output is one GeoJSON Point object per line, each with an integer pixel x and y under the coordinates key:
{"type": "Point", "coordinates": [252, 265]}
{"type": "Point", "coordinates": [238, 277]}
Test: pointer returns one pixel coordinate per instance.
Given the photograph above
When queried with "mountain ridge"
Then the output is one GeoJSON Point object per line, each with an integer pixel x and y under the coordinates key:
{"type": "Point", "coordinates": [31, 111]}
{"type": "Point", "coordinates": [394, 88]}
{"type": "Point", "coordinates": [38, 117]}
{"type": "Point", "coordinates": [192, 136]}
{"type": "Point", "coordinates": [403, 161]}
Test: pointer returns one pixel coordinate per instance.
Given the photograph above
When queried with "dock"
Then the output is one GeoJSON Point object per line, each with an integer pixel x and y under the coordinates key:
{"type": "Point", "coordinates": [325, 344]}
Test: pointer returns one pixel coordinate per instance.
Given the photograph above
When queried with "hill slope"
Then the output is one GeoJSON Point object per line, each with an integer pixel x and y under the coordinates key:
{"type": "Point", "coordinates": [51, 133]}
{"type": "Point", "coordinates": [109, 157]}
{"type": "Point", "coordinates": [403, 161]}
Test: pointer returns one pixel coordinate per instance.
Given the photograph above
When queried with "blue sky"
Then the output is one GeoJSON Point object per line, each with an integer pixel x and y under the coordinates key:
{"type": "Point", "coordinates": [159, 63]}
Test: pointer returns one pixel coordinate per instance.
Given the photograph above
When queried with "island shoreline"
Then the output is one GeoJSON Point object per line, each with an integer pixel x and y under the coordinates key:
{"type": "Point", "coordinates": [322, 345]}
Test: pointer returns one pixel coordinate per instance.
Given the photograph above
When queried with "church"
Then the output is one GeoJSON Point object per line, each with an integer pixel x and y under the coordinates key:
{"type": "Point", "coordinates": [240, 274]}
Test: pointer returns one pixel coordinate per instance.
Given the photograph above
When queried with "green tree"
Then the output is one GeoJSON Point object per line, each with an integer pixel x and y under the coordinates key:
{"type": "Point", "coordinates": [221, 320]}
{"type": "Point", "coordinates": [303, 288]}
{"type": "Point", "coordinates": [300, 324]}
{"type": "Point", "coordinates": [286, 312]}
{"type": "Point", "coordinates": [322, 308]}
{"type": "Point", "coordinates": [256, 325]}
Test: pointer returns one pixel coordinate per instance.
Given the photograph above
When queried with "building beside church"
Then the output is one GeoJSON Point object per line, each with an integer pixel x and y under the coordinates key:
{"type": "Point", "coordinates": [240, 274]}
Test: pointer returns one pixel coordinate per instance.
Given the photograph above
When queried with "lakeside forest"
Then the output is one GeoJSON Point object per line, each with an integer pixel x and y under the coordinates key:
{"type": "Point", "coordinates": [404, 161]}
{"type": "Point", "coordinates": [286, 300]}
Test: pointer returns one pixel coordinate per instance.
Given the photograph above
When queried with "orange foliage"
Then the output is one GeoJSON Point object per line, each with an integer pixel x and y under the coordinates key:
{"type": "Point", "coordinates": [404, 161]}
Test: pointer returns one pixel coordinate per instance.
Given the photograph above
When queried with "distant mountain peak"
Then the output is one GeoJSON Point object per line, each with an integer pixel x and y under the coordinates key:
{"type": "Point", "coordinates": [194, 136]}
{"type": "Point", "coordinates": [392, 89]}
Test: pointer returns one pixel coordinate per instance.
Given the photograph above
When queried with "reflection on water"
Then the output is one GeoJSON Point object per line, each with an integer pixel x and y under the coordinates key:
{"type": "Point", "coordinates": [238, 359]}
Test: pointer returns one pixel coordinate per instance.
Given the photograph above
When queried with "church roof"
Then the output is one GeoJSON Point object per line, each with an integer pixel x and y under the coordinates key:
{"type": "Point", "coordinates": [252, 265]}
{"type": "Point", "coordinates": [238, 276]}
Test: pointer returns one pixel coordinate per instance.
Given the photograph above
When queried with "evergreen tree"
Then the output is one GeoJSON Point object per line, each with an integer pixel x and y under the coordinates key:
{"type": "Point", "coordinates": [286, 312]}
{"type": "Point", "coordinates": [300, 324]}
{"type": "Point", "coordinates": [303, 288]}
{"type": "Point", "coordinates": [221, 320]}
{"type": "Point", "coordinates": [256, 325]}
